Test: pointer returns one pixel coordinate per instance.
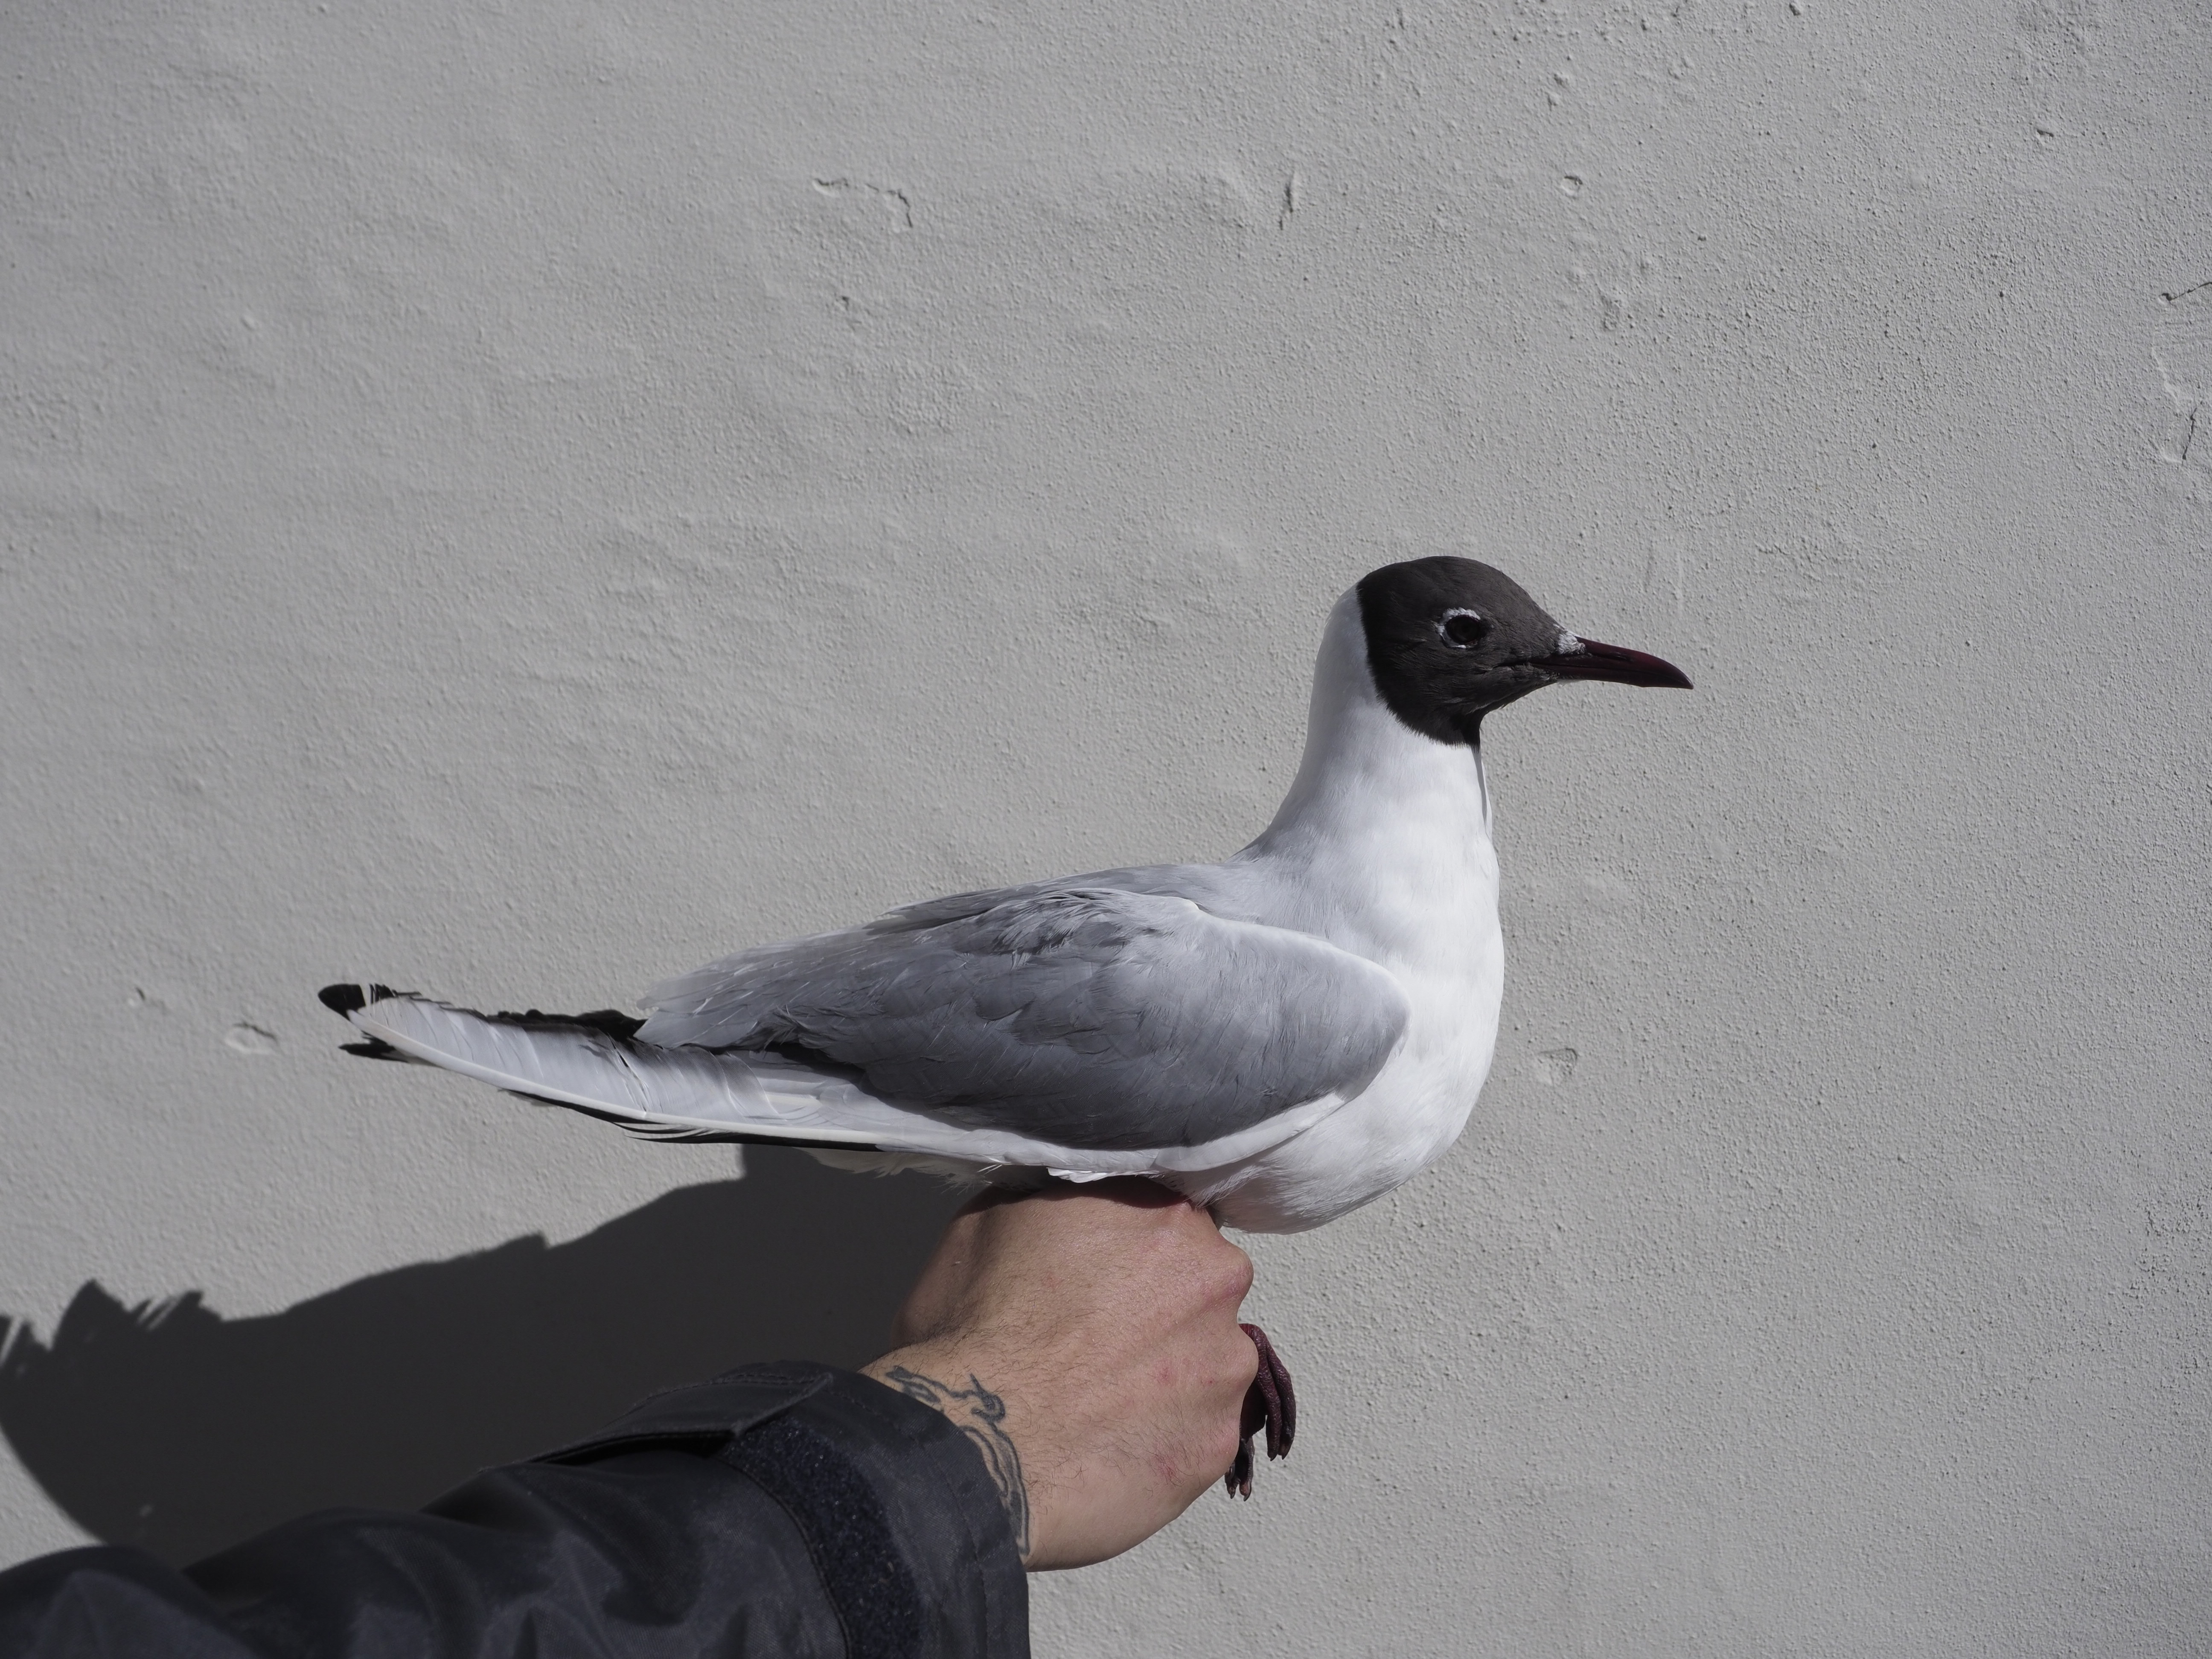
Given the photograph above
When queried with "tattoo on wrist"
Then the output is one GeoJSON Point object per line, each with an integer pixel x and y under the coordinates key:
{"type": "Point", "coordinates": [980, 1415]}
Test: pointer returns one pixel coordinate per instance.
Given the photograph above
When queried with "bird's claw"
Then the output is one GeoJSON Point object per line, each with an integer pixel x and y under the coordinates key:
{"type": "Point", "coordinates": [1269, 1404]}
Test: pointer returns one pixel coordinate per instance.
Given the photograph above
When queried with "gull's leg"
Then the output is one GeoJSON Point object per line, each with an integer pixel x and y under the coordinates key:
{"type": "Point", "coordinates": [1271, 1405]}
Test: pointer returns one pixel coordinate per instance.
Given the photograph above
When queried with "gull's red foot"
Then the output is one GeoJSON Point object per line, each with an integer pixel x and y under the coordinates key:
{"type": "Point", "coordinates": [1269, 1404]}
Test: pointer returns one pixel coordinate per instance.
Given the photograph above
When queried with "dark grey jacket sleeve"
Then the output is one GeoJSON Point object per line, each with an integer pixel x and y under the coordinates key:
{"type": "Point", "coordinates": [786, 1510]}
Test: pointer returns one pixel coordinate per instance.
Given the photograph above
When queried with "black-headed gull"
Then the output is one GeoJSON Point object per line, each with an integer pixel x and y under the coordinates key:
{"type": "Point", "coordinates": [1281, 1037]}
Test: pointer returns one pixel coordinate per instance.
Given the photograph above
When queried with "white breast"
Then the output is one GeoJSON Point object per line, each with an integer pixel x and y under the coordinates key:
{"type": "Point", "coordinates": [1383, 848]}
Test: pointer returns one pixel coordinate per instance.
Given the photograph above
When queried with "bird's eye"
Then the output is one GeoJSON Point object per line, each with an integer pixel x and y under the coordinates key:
{"type": "Point", "coordinates": [1462, 628]}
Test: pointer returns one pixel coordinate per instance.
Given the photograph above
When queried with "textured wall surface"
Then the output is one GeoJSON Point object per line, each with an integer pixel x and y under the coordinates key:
{"type": "Point", "coordinates": [517, 501]}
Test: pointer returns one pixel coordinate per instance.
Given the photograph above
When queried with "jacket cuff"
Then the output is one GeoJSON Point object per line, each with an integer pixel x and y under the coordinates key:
{"type": "Point", "coordinates": [900, 1515]}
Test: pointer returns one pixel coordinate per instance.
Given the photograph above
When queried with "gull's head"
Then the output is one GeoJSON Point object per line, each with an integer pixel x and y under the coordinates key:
{"type": "Point", "coordinates": [1448, 639]}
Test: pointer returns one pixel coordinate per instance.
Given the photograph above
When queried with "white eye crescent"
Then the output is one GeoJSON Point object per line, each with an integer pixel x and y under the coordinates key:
{"type": "Point", "coordinates": [1462, 629]}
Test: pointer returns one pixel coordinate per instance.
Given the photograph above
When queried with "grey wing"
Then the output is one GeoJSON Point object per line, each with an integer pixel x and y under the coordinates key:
{"type": "Point", "coordinates": [1090, 1017]}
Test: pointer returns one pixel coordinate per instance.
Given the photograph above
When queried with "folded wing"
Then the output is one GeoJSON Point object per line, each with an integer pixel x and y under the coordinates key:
{"type": "Point", "coordinates": [1081, 1015]}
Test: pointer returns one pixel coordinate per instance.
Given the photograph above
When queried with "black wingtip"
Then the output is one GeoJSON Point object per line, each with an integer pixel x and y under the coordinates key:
{"type": "Point", "coordinates": [372, 1048]}
{"type": "Point", "coordinates": [342, 1000]}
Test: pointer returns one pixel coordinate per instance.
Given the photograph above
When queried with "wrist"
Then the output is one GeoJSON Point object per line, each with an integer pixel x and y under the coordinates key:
{"type": "Point", "coordinates": [945, 1379]}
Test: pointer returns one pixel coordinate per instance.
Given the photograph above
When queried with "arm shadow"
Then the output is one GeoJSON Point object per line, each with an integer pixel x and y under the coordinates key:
{"type": "Point", "coordinates": [167, 1426]}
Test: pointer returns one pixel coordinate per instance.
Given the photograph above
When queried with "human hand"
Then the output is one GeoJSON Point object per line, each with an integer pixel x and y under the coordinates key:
{"type": "Point", "coordinates": [1085, 1339]}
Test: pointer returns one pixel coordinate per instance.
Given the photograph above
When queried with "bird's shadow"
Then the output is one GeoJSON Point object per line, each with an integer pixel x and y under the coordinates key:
{"type": "Point", "coordinates": [167, 1426]}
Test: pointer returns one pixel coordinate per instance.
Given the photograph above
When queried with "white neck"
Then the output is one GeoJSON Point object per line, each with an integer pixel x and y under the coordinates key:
{"type": "Point", "coordinates": [1378, 815]}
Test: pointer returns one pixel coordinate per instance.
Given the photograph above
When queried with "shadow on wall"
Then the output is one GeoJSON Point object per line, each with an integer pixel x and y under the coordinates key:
{"type": "Point", "coordinates": [168, 1426]}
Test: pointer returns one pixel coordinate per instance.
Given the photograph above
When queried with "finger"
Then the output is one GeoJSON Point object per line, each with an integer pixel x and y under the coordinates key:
{"type": "Point", "coordinates": [1133, 1193]}
{"type": "Point", "coordinates": [1237, 1275]}
{"type": "Point", "coordinates": [945, 1280]}
{"type": "Point", "coordinates": [991, 1198]}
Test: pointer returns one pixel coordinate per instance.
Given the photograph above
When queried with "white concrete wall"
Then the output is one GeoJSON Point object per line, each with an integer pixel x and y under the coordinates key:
{"type": "Point", "coordinates": [516, 501]}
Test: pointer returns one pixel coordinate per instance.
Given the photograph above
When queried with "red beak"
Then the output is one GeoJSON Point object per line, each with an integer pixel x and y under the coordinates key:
{"type": "Point", "coordinates": [1593, 661]}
